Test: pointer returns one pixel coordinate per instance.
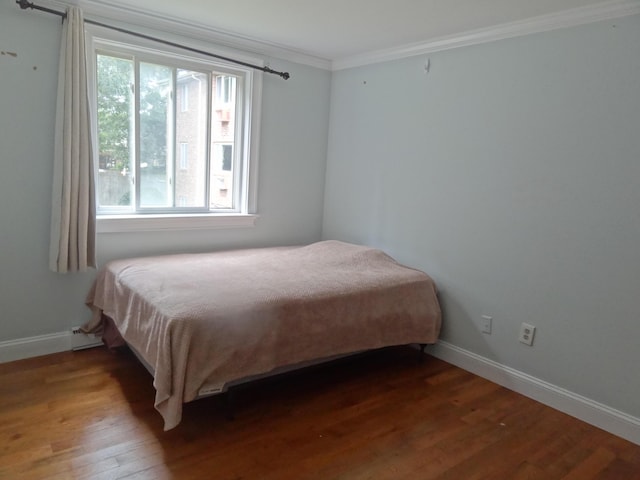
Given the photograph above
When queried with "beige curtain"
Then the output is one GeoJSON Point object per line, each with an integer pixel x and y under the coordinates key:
{"type": "Point", "coordinates": [72, 246]}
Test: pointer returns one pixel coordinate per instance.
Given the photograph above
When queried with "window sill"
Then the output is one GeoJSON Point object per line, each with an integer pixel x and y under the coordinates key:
{"type": "Point", "coordinates": [151, 223]}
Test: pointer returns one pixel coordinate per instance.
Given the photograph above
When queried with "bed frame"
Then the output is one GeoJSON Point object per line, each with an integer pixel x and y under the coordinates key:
{"type": "Point", "coordinates": [203, 324]}
{"type": "Point", "coordinates": [228, 390]}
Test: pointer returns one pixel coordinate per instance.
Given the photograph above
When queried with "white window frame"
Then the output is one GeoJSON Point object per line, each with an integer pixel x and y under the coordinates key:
{"type": "Point", "coordinates": [245, 215]}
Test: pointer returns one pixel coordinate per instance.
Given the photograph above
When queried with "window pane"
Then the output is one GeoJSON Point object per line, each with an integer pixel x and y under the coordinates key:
{"type": "Point", "coordinates": [155, 135]}
{"type": "Point", "coordinates": [191, 137]}
{"type": "Point", "coordinates": [223, 140]}
{"type": "Point", "coordinates": [227, 157]}
{"type": "Point", "coordinates": [115, 132]}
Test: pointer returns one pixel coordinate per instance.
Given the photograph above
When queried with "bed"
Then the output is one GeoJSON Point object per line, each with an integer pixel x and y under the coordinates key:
{"type": "Point", "coordinates": [203, 321]}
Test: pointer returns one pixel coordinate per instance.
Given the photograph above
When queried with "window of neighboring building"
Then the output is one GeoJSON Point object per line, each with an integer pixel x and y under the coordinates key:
{"type": "Point", "coordinates": [184, 97]}
{"type": "Point", "coordinates": [227, 152]}
{"type": "Point", "coordinates": [184, 156]}
{"type": "Point", "coordinates": [225, 88]}
{"type": "Point", "coordinates": [159, 128]}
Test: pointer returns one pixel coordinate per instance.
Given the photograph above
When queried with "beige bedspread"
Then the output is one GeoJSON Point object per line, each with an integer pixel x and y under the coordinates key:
{"type": "Point", "coordinates": [216, 317]}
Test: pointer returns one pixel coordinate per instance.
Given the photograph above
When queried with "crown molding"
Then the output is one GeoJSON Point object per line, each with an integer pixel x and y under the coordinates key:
{"type": "Point", "coordinates": [108, 10]}
{"type": "Point", "coordinates": [568, 18]}
{"type": "Point", "coordinates": [114, 11]}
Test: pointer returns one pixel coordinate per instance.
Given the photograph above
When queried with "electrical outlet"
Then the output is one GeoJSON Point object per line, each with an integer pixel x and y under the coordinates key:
{"type": "Point", "coordinates": [81, 340]}
{"type": "Point", "coordinates": [485, 324]}
{"type": "Point", "coordinates": [527, 332]}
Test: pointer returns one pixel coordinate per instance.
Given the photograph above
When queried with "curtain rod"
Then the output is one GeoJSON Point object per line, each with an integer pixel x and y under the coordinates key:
{"type": "Point", "coordinates": [24, 4]}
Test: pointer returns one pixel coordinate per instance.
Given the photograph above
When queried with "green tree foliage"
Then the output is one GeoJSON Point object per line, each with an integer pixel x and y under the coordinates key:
{"type": "Point", "coordinates": [115, 102]}
{"type": "Point", "coordinates": [115, 112]}
{"type": "Point", "coordinates": [155, 97]}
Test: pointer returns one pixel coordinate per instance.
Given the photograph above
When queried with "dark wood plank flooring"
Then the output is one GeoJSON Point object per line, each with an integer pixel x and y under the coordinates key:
{"type": "Point", "coordinates": [384, 415]}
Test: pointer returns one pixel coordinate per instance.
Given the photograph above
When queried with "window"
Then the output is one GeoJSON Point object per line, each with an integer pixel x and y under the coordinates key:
{"type": "Point", "coordinates": [184, 97]}
{"type": "Point", "coordinates": [226, 152]}
{"type": "Point", "coordinates": [184, 156]}
{"type": "Point", "coordinates": [221, 171]}
{"type": "Point", "coordinates": [174, 133]}
{"type": "Point", "coordinates": [225, 88]}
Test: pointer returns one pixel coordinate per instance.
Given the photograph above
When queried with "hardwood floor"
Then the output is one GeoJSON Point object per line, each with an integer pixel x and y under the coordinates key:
{"type": "Point", "coordinates": [384, 415]}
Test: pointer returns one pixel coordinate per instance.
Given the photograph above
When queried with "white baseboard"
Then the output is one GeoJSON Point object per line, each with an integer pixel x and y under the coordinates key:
{"type": "Point", "coordinates": [585, 409]}
{"type": "Point", "coordinates": [45, 344]}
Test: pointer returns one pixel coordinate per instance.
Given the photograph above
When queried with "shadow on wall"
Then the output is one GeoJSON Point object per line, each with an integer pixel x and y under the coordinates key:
{"type": "Point", "coordinates": [464, 323]}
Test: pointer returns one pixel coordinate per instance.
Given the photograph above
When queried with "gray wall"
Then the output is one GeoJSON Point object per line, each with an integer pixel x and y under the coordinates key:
{"type": "Point", "coordinates": [35, 301]}
{"type": "Point", "coordinates": [511, 174]}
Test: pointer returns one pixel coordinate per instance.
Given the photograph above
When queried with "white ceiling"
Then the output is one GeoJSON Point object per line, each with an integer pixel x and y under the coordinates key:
{"type": "Point", "coordinates": [339, 29]}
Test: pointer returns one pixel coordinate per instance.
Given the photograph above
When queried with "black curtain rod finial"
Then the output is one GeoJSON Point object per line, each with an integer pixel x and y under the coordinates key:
{"type": "Point", "coordinates": [24, 4]}
{"type": "Point", "coordinates": [284, 75]}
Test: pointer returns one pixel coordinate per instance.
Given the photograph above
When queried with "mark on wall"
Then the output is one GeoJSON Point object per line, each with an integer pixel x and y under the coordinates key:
{"type": "Point", "coordinates": [11, 54]}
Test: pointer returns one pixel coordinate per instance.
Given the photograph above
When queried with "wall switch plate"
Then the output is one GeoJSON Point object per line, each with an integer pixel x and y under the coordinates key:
{"type": "Point", "coordinates": [527, 332]}
{"type": "Point", "coordinates": [485, 324]}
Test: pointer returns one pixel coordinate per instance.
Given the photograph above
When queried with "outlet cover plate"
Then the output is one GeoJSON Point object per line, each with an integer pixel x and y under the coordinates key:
{"type": "Point", "coordinates": [527, 332]}
{"type": "Point", "coordinates": [485, 324]}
